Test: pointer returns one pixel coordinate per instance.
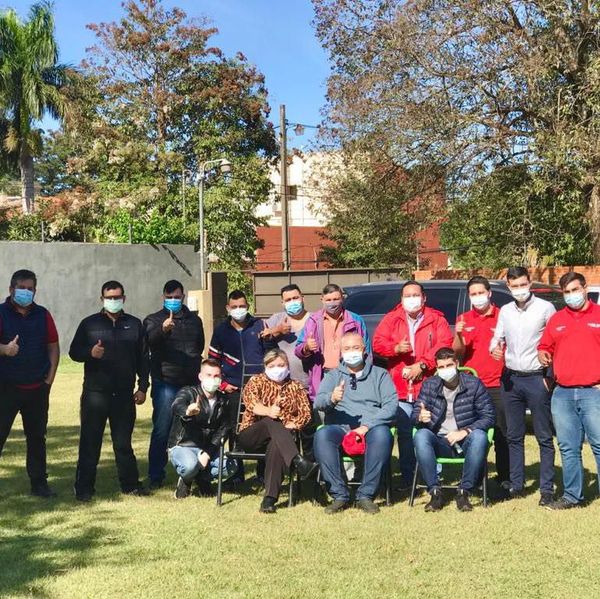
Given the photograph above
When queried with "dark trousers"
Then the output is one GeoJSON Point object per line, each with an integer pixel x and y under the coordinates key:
{"type": "Point", "coordinates": [32, 404]}
{"type": "Point", "coordinates": [280, 449]}
{"type": "Point", "coordinates": [96, 408]}
{"type": "Point", "coordinates": [519, 393]}
{"type": "Point", "coordinates": [307, 434]}
{"type": "Point", "coordinates": [500, 442]}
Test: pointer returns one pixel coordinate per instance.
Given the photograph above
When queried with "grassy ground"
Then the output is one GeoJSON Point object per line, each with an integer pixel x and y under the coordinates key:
{"type": "Point", "coordinates": [157, 547]}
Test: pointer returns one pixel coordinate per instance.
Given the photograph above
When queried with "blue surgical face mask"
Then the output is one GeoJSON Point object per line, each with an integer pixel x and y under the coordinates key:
{"type": "Point", "coordinates": [173, 304]}
{"type": "Point", "coordinates": [23, 297]}
{"type": "Point", "coordinates": [353, 358]}
{"type": "Point", "coordinates": [113, 306]}
{"type": "Point", "coordinates": [294, 307]}
{"type": "Point", "coordinates": [575, 300]}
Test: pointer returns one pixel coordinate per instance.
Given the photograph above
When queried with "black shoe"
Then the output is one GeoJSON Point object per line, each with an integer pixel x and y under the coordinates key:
{"type": "Point", "coordinates": [154, 485]}
{"type": "Point", "coordinates": [516, 493]}
{"type": "Point", "coordinates": [337, 505]}
{"type": "Point", "coordinates": [462, 501]}
{"type": "Point", "coordinates": [436, 503]}
{"type": "Point", "coordinates": [561, 504]}
{"type": "Point", "coordinates": [203, 488]}
{"type": "Point", "coordinates": [367, 505]}
{"type": "Point", "coordinates": [42, 490]}
{"type": "Point", "coordinates": [267, 505]}
{"type": "Point", "coordinates": [304, 467]}
{"type": "Point", "coordinates": [182, 490]}
{"type": "Point", "coordinates": [138, 492]}
{"type": "Point", "coordinates": [84, 497]}
{"type": "Point", "coordinates": [546, 499]}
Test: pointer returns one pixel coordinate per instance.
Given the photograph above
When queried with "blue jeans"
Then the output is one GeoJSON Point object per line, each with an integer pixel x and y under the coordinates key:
{"type": "Point", "coordinates": [429, 446]}
{"type": "Point", "coordinates": [185, 460]}
{"type": "Point", "coordinates": [406, 448]}
{"type": "Point", "coordinates": [576, 413]}
{"type": "Point", "coordinates": [163, 395]}
{"type": "Point", "coordinates": [327, 442]}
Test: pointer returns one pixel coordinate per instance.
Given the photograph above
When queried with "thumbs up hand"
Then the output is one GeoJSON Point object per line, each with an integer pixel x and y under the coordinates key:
{"type": "Point", "coordinates": [459, 327]}
{"type": "Point", "coordinates": [12, 348]}
{"type": "Point", "coordinates": [404, 347]}
{"type": "Point", "coordinates": [169, 323]}
{"type": "Point", "coordinates": [338, 393]}
{"type": "Point", "coordinates": [98, 350]}
{"type": "Point", "coordinates": [424, 414]}
{"type": "Point", "coordinates": [311, 344]}
{"type": "Point", "coordinates": [285, 327]}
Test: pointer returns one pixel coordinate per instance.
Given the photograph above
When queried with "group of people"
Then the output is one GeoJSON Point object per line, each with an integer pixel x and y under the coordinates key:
{"type": "Point", "coordinates": [302, 388]}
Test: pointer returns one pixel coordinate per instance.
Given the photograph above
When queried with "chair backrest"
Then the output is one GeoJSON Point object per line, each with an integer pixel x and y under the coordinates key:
{"type": "Point", "coordinates": [469, 370]}
{"type": "Point", "coordinates": [245, 378]}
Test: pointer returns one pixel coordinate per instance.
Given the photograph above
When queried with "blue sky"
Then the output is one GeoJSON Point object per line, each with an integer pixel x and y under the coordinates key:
{"type": "Point", "coordinates": [275, 35]}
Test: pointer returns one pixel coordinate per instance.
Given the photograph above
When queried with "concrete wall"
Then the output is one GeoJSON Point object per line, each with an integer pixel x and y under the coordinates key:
{"type": "Point", "coordinates": [70, 276]}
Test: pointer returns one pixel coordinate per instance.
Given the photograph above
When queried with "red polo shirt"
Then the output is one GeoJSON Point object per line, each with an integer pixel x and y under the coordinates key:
{"type": "Point", "coordinates": [477, 336]}
{"type": "Point", "coordinates": [573, 339]}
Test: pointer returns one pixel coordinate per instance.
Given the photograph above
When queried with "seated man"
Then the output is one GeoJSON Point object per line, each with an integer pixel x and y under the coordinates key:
{"type": "Point", "coordinates": [200, 420]}
{"type": "Point", "coordinates": [453, 413]}
{"type": "Point", "coordinates": [360, 397]}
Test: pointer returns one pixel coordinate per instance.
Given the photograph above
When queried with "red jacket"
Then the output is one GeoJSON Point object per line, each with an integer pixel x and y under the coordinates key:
{"type": "Point", "coordinates": [573, 339]}
{"type": "Point", "coordinates": [432, 334]}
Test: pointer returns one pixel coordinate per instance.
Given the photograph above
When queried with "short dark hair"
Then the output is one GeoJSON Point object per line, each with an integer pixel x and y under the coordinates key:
{"type": "Point", "coordinates": [111, 285]}
{"type": "Point", "coordinates": [444, 353]}
{"type": "Point", "coordinates": [23, 275]}
{"type": "Point", "coordinates": [412, 282]}
{"type": "Point", "coordinates": [517, 272]}
{"type": "Point", "coordinates": [478, 280]}
{"type": "Point", "coordinates": [569, 277]}
{"type": "Point", "coordinates": [236, 294]}
{"type": "Point", "coordinates": [210, 362]}
{"type": "Point", "coordinates": [172, 285]}
{"type": "Point", "coordinates": [331, 288]}
{"type": "Point", "coordinates": [290, 287]}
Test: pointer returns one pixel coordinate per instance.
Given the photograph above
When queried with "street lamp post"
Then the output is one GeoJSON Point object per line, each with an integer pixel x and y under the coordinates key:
{"type": "Point", "coordinates": [225, 167]}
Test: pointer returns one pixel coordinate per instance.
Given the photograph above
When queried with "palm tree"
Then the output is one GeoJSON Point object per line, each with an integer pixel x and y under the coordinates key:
{"type": "Point", "coordinates": [30, 82]}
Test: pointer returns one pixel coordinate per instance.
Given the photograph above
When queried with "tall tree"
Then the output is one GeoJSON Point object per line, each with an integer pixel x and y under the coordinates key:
{"type": "Point", "coordinates": [30, 80]}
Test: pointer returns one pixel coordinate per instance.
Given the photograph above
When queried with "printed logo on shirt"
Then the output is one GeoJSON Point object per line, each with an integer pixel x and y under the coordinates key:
{"type": "Point", "coordinates": [594, 325]}
{"type": "Point", "coordinates": [126, 326]}
{"type": "Point", "coordinates": [560, 328]}
{"type": "Point", "coordinates": [469, 329]}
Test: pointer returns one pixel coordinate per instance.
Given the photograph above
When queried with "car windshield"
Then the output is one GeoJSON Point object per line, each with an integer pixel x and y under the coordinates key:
{"type": "Point", "coordinates": [550, 294]}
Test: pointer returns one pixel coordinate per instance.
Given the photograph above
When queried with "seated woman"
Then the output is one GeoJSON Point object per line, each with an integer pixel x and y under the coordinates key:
{"type": "Point", "coordinates": [275, 407]}
{"type": "Point", "coordinates": [200, 420]}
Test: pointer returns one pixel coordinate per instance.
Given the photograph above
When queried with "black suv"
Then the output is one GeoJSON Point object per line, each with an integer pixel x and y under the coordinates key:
{"type": "Point", "coordinates": [373, 300]}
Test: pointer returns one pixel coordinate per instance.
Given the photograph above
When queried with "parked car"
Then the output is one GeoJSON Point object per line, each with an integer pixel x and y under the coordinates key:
{"type": "Point", "coordinates": [373, 300]}
{"type": "Point", "coordinates": [593, 293]}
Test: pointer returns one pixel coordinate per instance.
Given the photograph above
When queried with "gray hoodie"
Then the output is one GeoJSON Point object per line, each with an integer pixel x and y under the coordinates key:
{"type": "Point", "coordinates": [373, 402]}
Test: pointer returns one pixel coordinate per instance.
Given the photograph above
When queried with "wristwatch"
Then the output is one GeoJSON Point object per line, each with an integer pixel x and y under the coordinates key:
{"type": "Point", "coordinates": [423, 366]}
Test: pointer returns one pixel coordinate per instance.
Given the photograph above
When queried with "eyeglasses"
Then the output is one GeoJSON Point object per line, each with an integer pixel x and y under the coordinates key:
{"type": "Point", "coordinates": [352, 381]}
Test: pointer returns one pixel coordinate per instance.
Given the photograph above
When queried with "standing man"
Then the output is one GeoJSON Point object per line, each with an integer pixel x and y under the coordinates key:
{"type": "Point", "coordinates": [29, 355]}
{"type": "Point", "coordinates": [409, 337]}
{"type": "Point", "coordinates": [319, 343]}
{"type": "Point", "coordinates": [473, 334]}
{"type": "Point", "coordinates": [112, 346]}
{"type": "Point", "coordinates": [176, 341]}
{"type": "Point", "coordinates": [571, 342]}
{"type": "Point", "coordinates": [524, 385]}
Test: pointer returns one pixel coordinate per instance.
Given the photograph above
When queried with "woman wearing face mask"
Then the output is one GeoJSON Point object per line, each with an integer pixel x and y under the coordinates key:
{"type": "Point", "coordinates": [275, 407]}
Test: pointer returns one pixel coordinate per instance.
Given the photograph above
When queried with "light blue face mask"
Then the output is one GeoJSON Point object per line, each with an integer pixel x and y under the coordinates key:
{"type": "Point", "coordinates": [575, 300]}
{"type": "Point", "coordinates": [353, 358]}
{"type": "Point", "coordinates": [173, 304]}
{"type": "Point", "coordinates": [23, 297]}
{"type": "Point", "coordinates": [294, 307]}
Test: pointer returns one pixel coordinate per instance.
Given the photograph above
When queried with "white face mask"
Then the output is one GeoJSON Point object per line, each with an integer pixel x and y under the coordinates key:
{"type": "Point", "coordinates": [277, 373]}
{"type": "Point", "coordinates": [210, 386]}
{"type": "Point", "coordinates": [113, 305]}
{"type": "Point", "coordinates": [520, 294]}
{"type": "Point", "coordinates": [238, 314]}
{"type": "Point", "coordinates": [353, 358]}
{"type": "Point", "coordinates": [412, 304]}
{"type": "Point", "coordinates": [479, 301]}
{"type": "Point", "coordinates": [448, 373]}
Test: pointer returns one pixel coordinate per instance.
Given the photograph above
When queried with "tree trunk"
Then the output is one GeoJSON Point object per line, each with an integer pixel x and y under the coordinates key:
{"type": "Point", "coordinates": [27, 181]}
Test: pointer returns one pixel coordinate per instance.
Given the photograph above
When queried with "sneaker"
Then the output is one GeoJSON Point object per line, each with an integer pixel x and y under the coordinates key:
{"type": "Point", "coordinates": [182, 490]}
{"type": "Point", "coordinates": [516, 493]}
{"type": "Point", "coordinates": [203, 488]}
{"type": "Point", "coordinates": [462, 501]}
{"type": "Point", "coordinates": [546, 499]}
{"type": "Point", "coordinates": [42, 490]}
{"type": "Point", "coordinates": [436, 503]}
{"type": "Point", "coordinates": [138, 492]}
{"type": "Point", "coordinates": [561, 504]}
{"type": "Point", "coordinates": [337, 505]}
{"type": "Point", "coordinates": [84, 497]}
{"type": "Point", "coordinates": [267, 505]}
{"type": "Point", "coordinates": [367, 505]}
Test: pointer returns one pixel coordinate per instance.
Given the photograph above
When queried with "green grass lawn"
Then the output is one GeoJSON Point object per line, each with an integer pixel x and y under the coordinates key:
{"type": "Point", "coordinates": [159, 547]}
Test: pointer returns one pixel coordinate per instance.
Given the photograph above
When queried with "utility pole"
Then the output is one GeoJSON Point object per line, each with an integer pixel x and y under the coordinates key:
{"type": "Point", "coordinates": [285, 233]}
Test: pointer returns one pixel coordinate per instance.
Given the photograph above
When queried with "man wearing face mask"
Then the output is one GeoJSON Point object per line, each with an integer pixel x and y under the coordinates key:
{"type": "Point", "coordinates": [408, 336]}
{"type": "Point", "coordinates": [571, 343]}
{"type": "Point", "coordinates": [474, 331]}
{"type": "Point", "coordinates": [29, 355]}
{"type": "Point", "coordinates": [524, 385]}
{"type": "Point", "coordinates": [176, 340]}
{"type": "Point", "coordinates": [112, 345]}
{"type": "Point", "coordinates": [359, 397]}
{"type": "Point", "coordinates": [319, 343]}
{"type": "Point", "coordinates": [453, 414]}
{"type": "Point", "coordinates": [200, 421]}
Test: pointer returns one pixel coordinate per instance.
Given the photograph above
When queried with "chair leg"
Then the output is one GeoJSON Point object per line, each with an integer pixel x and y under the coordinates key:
{"type": "Point", "coordinates": [413, 489]}
{"type": "Point", "coordinates": [291, 491]}
{"type": "Point", "coordinates": [485, 481]}
{"type": "Point", "coordinates": [220, 479]}
{"type": "Point", "coordinates": [388, 483]}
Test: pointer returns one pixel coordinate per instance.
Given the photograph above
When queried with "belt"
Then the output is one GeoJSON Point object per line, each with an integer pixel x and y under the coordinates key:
{"type": "Point", "coordinates": [525, 372]}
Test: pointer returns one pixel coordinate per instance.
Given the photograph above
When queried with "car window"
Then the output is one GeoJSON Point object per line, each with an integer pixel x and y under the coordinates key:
{"type": "Point", "coordinates": [375, 301]}
{"type": "Point", "coordinates": [499, 298]}
{"type": "Point", "coordinates": [554, 297]}
{"type": "Point", "coordinates": [593, 296]}
{"type": "Point", "coordinates": [444, 300]}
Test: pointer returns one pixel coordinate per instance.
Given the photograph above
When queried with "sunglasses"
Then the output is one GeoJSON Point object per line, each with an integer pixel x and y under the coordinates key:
{"type": "Point", "coordinates": [353, 381]}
